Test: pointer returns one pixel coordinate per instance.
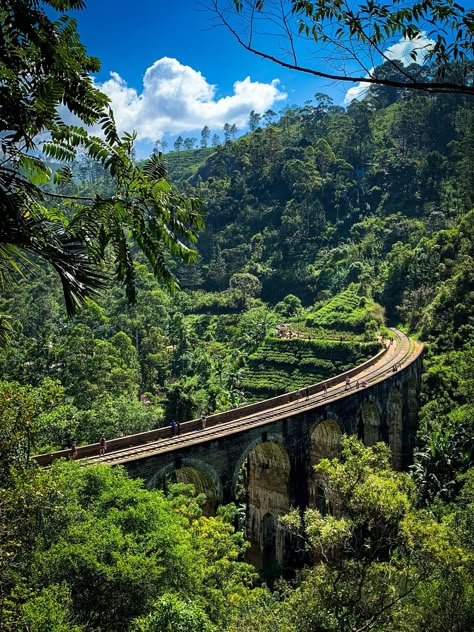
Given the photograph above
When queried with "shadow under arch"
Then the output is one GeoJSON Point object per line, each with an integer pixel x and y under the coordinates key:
{"type": "Point", "coordinates": [196, 472]}
{"type": "Point", "coordinates": [412, 393]}
{"type": "Point", "coordinates": [369, 420]}
{"type": "Point", "coordinates": [269, 544]}
{"type": "Point", "coordinates": [394, 421]}
{"type": "Point", "coordinates": [325, 443]}
{"type": "Point", "coordinates": [262, 477]}
{"type": "Point", "coordinates": [274, 438]}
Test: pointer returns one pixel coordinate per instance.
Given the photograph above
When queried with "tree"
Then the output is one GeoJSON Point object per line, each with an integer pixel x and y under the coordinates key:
{"type": "Point", "coordinates": [338, 31]}
{"type": "Point", "coordinates": [377, 556]}
{"type": "Point", "coordinates": [254, 120]}
{"type": "Point", "coordinates": [159, 143]}
{"type": "Point", "coordinates": [205, 135]}
{"type": "Point", "coordinates": [227, 132]}
{"type": "Point", "coordinates": [245, 285]}
{"type": "Point", "coordinates": [254, 327]}
{"type": "Point", "coordinates": [269, 116]}
{"type": "Point", "coordinates": [289, 306]}
{"type": "Point", "coordinates": [216, 141]}
{"type": "Point", "coordinates": [178, 143]}
{"type": "Point", "coordinates": [189, 143]}
{"type": "Point", "coordinates": [82, 537]}
{"type": "Point", "coordinates": [44, 66]}
{"type": "Point", "coordinates": [233, 130]}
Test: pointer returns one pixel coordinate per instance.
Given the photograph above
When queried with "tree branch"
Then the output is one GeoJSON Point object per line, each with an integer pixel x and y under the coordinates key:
{"type": "Point", "coordinates": [434, 87]}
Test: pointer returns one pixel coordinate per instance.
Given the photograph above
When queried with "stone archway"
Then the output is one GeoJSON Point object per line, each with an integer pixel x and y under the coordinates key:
{"type": "Point", "coordinates": [325, 444]}
{"type": "Point", "coordinates": [264, 469]}
{"type": "Point", "coordinates": [369, 423]}
{"type": "Point", "coordinates": [192, 471]}
{"type": "Point", "coordinates": [395, 426]}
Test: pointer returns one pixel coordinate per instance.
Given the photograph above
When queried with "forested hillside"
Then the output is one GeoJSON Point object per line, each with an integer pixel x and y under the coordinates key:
{"type": "Point", "coordinates": [380, 195]}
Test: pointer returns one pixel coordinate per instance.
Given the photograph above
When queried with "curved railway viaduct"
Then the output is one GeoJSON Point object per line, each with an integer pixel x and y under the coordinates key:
{"type": "Point", "coordinates": [278, 442]}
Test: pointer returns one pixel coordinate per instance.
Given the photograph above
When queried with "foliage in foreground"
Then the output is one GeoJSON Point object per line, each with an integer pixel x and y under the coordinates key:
{"type": "Point", "coordinates": [380, 563]}
{"type": "Point", "coordinates": [44, 66]}
{"type": "Point", "coordinates": [92, 549]}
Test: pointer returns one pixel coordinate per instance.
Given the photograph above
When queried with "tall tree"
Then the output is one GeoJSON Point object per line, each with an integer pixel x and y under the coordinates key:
{"type": "Point", "coordinates": [178, 143]}
{"type": "Point", "coordinates": [205, 136]}
{"type": "Point", "coordinates": [189, 143]}
{"type": "Point", "coordinates": [269, 116]}
{"type": "Point", "coordinates": [254, 120]}
{"type": "Point", "coordinates": [159, 143]}
{"type": "Point", "coordinates": [227, 131]}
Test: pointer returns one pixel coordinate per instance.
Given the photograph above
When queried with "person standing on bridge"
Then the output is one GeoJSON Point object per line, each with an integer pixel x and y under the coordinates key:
{"type": "Point", "coordinates": [325, 389]}
{"type": "Point", "coordinates": [102, 445]}
{"type": "Point", "coordinates": [306, 392]}
{"type": "Point", "coordinates": [348, 383]}
{"type": "Point", "coordinates": [74, 450]}
{"type": "Point", "coordinates": [203, 422]}
{"type": "Point", "coordinates": [173, 428]}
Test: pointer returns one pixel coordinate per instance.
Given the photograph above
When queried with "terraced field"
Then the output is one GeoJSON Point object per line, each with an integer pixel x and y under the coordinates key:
{"type": "Point", "coordinates": [283, 365]}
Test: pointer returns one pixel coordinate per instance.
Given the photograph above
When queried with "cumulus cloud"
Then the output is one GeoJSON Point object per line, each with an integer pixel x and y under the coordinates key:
{"type": "Point", "coordinates": [402, 51]}
{"type": "Point", "coordinates": [176, 99]}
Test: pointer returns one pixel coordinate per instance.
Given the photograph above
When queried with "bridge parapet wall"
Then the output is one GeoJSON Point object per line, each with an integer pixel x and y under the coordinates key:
{"type": "Point", "coordinates": [234, 414]}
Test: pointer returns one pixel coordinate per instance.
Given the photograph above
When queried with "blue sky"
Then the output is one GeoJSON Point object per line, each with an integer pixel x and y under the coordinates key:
{"type": "Point", "coordinates": [168, 72]}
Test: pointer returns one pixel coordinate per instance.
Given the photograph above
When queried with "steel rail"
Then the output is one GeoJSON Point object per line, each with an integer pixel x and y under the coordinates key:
{"type": "Point", "coordinates": [404, 350]}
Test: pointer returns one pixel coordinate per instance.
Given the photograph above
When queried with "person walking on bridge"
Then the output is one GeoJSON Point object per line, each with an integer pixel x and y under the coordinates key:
{"type": "Point", "coordinates": [173, 428]}
{"type": "Point", "coordinates": [102, 445]}
{"type": "Point", "coordinates": [203, 422]}
{"type": "Point", "coordinates": [325, 390]}
{"type": "Point", "coordinates": [348, 383]}
{"type": "Point", "coordinates": [306, 392]}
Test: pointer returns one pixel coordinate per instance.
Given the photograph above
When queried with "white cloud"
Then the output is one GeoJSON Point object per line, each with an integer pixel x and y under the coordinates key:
{"type": "Point", "coordinates": [177, 99]}
{"type": "Point", "coordinates": [402, 51]}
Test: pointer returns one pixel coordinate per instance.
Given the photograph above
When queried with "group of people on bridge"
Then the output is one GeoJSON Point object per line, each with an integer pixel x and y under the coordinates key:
{"type": "Point", "coordinates": [303, 392]}
{"type": "Point", "coordinates": [176, 426]}
{"type": "Point", "coordinates": [102, 448]}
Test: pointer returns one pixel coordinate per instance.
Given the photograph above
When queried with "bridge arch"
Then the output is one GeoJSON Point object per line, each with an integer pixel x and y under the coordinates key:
{"type": "Point", "coordinates": [394, 419]}
{"type": "Point", "coordinates": [196, 472]}
{"type": "Point", "coordinates": [263, 471]}
{"type": "Point", "coordinates": [274, 438]}
{"type": "Point", "coordinates": [369, 421]}
{"type": "Point", "coordinates": [325, 443]}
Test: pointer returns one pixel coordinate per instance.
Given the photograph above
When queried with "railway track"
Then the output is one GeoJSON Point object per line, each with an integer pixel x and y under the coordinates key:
{"type": "Point", "coordinates": [398, 355]}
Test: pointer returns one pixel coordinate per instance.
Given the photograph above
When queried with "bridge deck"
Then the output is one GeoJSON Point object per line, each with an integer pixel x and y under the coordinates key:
{"type": "Point", "coordinates": [401, 354]}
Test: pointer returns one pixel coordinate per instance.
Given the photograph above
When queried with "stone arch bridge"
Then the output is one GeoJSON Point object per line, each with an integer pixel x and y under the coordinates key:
{"type": "Point", "coordinates": [279, 441]}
